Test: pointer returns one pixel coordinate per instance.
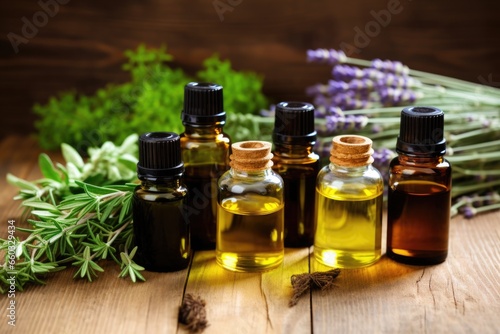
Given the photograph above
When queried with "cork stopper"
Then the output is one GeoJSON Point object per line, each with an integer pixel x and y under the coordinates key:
{"type": "Point", "coordinates": [251, 155]}
{"type": "Point", "coordinates": [351, 151]}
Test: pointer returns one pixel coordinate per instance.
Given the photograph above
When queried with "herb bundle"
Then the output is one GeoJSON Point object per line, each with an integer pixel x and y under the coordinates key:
{"type": "Point", "coordinates": [153, 98]}
{"type": "Point", "coordinates": [72, 221]}
{"type": "Point", "coordinates": [366, 97]}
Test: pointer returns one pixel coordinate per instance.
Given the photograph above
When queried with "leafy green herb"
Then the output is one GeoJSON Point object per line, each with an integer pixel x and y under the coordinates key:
{"type": "Point", "coordinates": [151, 101]}
{"type": "Point", "coordinates": [73, 221]}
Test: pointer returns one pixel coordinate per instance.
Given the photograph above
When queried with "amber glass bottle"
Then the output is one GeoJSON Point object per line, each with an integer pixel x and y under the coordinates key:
{"type": "Point", "coordinates": [349, 203]}
{"type": "Point", "coordinates": [205, 152]}
{"type": "Point", "coordinates": [419, 190]}
{"type": "Point", "coordinates": [250, 211]}
{"type": "Point", "coordinates": [161, 231]}
{"type": "Point", "coordinates": [294, 137]}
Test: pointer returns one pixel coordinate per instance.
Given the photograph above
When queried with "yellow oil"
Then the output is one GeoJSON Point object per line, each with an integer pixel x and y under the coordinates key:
{"type": "Point", "coordinates": [250, 233]}
{"type": "Point", "coordinates": [348, 227]}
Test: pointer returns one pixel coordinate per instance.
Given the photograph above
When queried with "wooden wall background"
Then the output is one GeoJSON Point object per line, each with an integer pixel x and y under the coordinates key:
{"type": "Point", "coordinates": [81, 46]}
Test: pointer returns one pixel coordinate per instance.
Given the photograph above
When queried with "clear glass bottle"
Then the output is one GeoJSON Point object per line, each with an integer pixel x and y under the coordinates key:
{"type": "Point", "coordinates": [349, 204]}
{"type": "Point", "coordinates": [161, 231]}
{"type": "Point", "coordinates": [250, 211]}
{"type": "Point", "coordinates": [205, 152]}
{"type": "Point", "coordinates": [294, 137]}
{"type": "Point", "coordinates": [419, 190]}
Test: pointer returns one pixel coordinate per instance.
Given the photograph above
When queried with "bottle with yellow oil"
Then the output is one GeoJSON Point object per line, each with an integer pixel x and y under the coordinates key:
{"type": "Point", "coordinates": [349, 203]}
{"type": "Point", "coordinates": [250, 211]}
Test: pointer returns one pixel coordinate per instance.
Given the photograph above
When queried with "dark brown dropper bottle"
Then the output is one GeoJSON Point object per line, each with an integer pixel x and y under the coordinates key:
{"type": "Point", "coordinates": [294, 137]}
{"type": "Point", "coordinates": [160, 229]}
{"type": "Point", "coordinates": [419, 190]}
{"type": "Point", "coordinates": [205, 152]}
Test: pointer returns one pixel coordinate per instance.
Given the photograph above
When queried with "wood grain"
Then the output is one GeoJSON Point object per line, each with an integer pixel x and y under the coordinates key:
{"type": "Point", "coordinates": [461, 295]}
{"type": "Point", "coordinates": [251, 302]}
{"type": "Point", "coordinates": [81, 47]}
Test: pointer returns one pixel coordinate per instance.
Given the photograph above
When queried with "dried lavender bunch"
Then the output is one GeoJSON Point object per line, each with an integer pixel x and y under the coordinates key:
{"type": "Point", "coordinates": [366, 97]}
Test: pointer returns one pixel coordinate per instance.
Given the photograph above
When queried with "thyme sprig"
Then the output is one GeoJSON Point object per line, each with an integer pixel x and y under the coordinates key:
{"type": "Point", "coordinates": [72, 221]}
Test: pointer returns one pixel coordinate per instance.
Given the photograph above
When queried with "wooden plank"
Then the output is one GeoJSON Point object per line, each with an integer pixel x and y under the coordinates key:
{"type": "Point", "coordinates": [107, 305]}
{"type": "Point", "coordinates": [250, 302]}
{"type": "Point", "coordinates": [18, 156]}
{"type": "Point", "coordinates": [460, 295]}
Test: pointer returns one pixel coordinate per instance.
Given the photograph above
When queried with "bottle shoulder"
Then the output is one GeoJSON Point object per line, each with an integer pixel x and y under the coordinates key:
{"type": "Point", "coordinates": [241, 183]}
{"type": "Point", "coordinates": [162, 192]}
{"type": "Point", "coordinates": [332, 171]}
{"type": "Point", "coordinates": [433, 170]}
{"type": "Point", "coordinates": [355, 183]}
{"type": "Point", "coordinates": [216, 141]}
{"type": "Point", "coordinates": [417, 163]}
{"type": "Point", "coordinates": [308, 164]}
{"type": "Point", "coordinates": [204, 151]}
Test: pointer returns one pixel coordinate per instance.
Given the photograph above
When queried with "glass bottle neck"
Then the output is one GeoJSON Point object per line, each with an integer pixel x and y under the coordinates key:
{"type": "Point", "coordinates": [348, 170]}
{"type": "Point", "coordinates": [416, 160]}
{"type": "Point", "coordinates": [212, 130]}
{"type": "Point", "coordinates": [243, 174]}
{"type": "Point", "coordinates": [293, 151]}
{"type": "Point", "coordinates": [163, 185]}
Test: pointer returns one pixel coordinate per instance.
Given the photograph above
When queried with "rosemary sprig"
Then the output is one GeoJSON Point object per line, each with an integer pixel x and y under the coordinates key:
{"type": "Point", "coordinates": [73, 221]}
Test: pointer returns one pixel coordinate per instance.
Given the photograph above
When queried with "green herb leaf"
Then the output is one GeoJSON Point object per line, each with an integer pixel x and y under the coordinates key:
{"type": "Point", "coordinates": [47, 168]}
{"type": "Point", "coordinates": [71, 156]}
{"type": "Point", "coordinates": [20, 183]}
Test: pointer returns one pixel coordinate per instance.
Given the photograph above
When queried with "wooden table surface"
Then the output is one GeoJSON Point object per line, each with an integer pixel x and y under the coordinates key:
{"type": "Point", "coordinates": [461, 295]}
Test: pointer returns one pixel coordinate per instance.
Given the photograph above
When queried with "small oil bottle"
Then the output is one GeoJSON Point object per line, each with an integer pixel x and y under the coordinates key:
{"type": "Point", "coordinates": [250, 211]}
{"type": "Point", "coordinates": [160, 229]}
{"type": "Point", "coordinates": [419, 190]}
{"type": "Point", "coordinates": [205, 152]}
{"type": "Point", "coordinates": [294, 160]}
{"type": "Point", "coordinates": [349, 204]}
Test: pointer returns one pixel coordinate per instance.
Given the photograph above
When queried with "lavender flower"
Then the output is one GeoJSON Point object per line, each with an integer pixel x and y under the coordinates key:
{"type": "Point", "coordinates": [383, 156]}
{"type": "Point", "coordinates": [377, 128]}
{"type": "Point", "coordinates": [316, 89]}
{"type": "Point", "coordinates": [335, 87]}
{"type": "Point", "coordinates": [350, 100]}
{"type": "Point", "coordinates": [323, 103]}
{"type": "Point", "coordinates": [330, 56]}
{"type": "Point", "coordinates": [381, 160]}
{"type": "Point", "coordinates": [336, 123]}
{"type": "Point", "coordinates": [268, 113]}
{"type": "Point", "coordinates": [390, 66]}
{"type": "Point", "coordinates": [372, 73]}
{"type": "Point", "coordinates": [323, 148]}
{"type": "Point", "coordinates": [397, 81]}
{"type": "Point", "coordinates": [492, 197]}
{"type": "Point", "coordinates": [394, 97]}
{"type": "Point", "coordinates": [469, 211]}
{"type": "Point", "coordinates": [335, 111]}
{"type": "Point", "coordinates": [361, 85]}
{"type": "Point", "coordinates": [346, 72]}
